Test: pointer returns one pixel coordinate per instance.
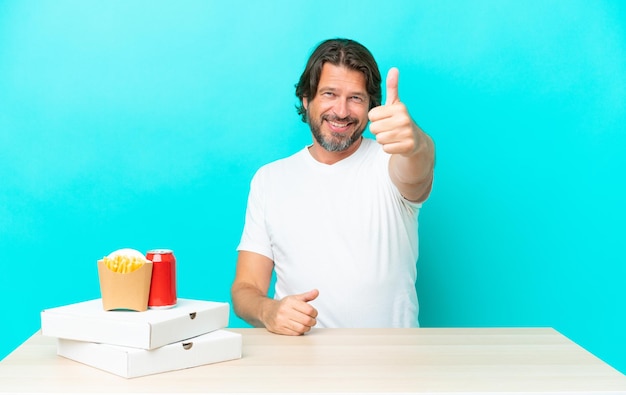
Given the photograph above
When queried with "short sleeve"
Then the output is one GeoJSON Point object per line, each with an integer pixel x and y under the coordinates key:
{"type": "Point", "coordinates": [255, 237]}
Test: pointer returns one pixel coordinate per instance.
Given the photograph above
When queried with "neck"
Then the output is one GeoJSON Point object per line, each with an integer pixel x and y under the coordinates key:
{"type": "Point", "coordinates": [321, 155]}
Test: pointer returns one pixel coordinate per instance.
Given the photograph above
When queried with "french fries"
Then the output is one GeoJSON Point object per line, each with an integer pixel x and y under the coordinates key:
{"type": "Point", "coordinates": [123, 263]}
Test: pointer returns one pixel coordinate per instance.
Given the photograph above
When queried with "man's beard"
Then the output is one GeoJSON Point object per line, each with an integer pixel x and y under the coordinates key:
{"type": "Point", "coordinates": [336, 142]}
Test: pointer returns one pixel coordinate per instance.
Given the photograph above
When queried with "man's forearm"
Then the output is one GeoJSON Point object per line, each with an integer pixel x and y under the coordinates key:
{"type": "Point", "coordinates": [413, 174]}
{"type": "Point", "coordinates": [248, 303]}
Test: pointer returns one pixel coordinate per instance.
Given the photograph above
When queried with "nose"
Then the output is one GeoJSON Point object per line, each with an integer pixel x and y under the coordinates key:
{"type": "Point", "coordinates": [341, 108]}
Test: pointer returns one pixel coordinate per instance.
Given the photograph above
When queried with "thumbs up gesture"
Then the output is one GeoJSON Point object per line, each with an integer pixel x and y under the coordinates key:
{"type": "Point", "coordinates": [413, 152]}
{"type": "Point", "coordinates": [391, 123]}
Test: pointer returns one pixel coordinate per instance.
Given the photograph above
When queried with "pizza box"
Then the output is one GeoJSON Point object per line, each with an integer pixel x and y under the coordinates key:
{"type": "Point", "coordinates": [128, 362]}
{"type": "Point", "coordinates": [149, 329]}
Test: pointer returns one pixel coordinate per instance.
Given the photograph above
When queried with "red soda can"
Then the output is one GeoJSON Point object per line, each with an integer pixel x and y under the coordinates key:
{"type": "Point", "coordinates": [163, 284]}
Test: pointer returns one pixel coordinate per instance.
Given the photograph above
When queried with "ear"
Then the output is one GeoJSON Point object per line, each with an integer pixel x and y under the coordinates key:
{"type": "Point", "coordinates": [305, 103]}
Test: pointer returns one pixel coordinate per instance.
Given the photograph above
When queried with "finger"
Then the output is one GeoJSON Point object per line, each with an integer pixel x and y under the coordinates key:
{"type": "Point", "coordinates": [308, 296]}
{"type": "Point", "coordinates": [304, 329]}
{"type": "Point", "coordinates": [284, 330]}
{"type": "Point", "coordinates": [303, 305]}
{"type": "Point", "coordinates": [293, 319]}
{"type": "Point", "coordinates": [300, 321]}
{"type": "Point", "coordinates": [298, 329]}
{"type": "Point", "coordinates": [382, 121]}
{"type": "Point", "coordinates": [395, 148]}
{"type": "Point", "coordinates": [393, 77]}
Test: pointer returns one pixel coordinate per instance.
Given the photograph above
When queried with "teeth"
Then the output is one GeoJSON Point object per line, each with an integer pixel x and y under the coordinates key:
{"type": "Point", "coordinates": [339, 125]}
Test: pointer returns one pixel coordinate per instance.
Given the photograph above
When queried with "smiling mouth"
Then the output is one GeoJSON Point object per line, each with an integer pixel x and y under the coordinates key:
{"type": "Point", "coordinates": [339, 125]}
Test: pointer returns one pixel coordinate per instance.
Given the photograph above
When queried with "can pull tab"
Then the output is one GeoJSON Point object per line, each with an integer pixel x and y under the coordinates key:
{"type": "Point", "coordinates": [187, 346]}
{"type": "Point", "coordinates": [192, 315]}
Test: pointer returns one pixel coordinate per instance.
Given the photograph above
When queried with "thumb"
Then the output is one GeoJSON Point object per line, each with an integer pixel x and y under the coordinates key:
{"type": "Point", "coordinates": [308, 296]}
{"type": "Point", "coordinates": [392, 86]}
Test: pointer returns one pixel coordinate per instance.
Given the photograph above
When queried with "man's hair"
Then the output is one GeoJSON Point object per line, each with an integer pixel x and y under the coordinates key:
{"type": "Point", "coordinates": [339, 52]}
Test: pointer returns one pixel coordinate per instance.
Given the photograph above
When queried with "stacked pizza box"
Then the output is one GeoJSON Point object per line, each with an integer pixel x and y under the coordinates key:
{"type": "Point", "coordinates": [138, 343]}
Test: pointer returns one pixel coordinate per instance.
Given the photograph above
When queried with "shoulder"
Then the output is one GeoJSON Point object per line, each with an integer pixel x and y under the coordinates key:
{"type": "Point", "coordinates": [280, 168]}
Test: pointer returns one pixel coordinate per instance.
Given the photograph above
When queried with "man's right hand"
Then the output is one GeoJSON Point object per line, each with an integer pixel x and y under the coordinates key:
{"type": "Point", "coordinates": [292, 315]}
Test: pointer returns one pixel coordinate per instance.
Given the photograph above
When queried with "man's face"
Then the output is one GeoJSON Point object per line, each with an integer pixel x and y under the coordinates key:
{"type": "Point", "coordinates": [337, 114]}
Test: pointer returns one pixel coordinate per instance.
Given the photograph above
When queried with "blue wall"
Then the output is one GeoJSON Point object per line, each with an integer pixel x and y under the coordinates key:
{"type": "Point", "coordinates": [140, 124]}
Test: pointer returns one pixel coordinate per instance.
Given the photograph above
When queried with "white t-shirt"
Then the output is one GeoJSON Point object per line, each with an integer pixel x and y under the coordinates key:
{"type": "Point", "coordinates": [343, 229]}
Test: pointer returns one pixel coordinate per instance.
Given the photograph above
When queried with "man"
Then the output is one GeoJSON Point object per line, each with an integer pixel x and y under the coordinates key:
{"type": "Point", "coordinates": [337, 221]}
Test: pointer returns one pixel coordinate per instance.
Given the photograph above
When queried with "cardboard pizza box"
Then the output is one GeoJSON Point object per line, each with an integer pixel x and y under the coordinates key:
{"type": "Point", "coordinates": [150, 329]}
{"type": "Point", "coordinates": [213, 347]}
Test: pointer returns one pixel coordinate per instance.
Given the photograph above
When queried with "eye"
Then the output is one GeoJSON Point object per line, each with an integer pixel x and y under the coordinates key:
{"type": "Point", "coordinates": [357, 99]}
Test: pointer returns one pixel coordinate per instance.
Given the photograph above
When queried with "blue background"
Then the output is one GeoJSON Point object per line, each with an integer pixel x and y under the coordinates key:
{"type": "Point", "coordinates": [140, 124]}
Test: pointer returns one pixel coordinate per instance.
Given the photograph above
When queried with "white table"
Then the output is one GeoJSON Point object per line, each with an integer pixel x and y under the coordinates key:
{"type": "Point", "coordinates": [416, 361]}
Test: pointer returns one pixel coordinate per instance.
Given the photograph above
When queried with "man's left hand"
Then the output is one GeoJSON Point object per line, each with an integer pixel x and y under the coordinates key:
{"type": "Point", "coordinates": [391, 123]}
